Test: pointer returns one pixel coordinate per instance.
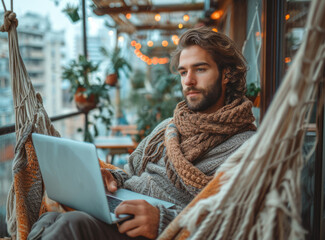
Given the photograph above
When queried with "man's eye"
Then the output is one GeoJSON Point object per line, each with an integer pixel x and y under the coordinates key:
{"type": "Point", "coordinates": [200, 69]}
{"type": "Point", "coordinates": [182, 73]}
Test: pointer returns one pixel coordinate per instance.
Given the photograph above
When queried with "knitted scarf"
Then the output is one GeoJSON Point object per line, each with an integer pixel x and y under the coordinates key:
{"type": "Point", "coordinates": [190, 134]}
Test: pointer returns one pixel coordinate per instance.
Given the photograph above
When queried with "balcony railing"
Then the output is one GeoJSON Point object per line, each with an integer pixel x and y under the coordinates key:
{"type": "Point", "coordinates": [7, 143]}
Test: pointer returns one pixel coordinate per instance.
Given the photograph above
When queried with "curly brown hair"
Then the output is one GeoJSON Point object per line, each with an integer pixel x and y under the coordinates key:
{"type": "Point", "coordinates": [223, 51]}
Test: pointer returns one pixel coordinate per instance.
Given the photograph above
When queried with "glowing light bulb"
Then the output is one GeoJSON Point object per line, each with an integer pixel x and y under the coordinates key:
{"type": "Point", "coordinates": [164, 43]}
{"type": "Point", "coordinates": [174, 37]}
{"type": "Point", "coordinates": [128, 15]}
{"type": "Point", "coordinates": [150, 43]}
{"type": "Point", "coordinates": [120, 39]}
{"type": "Point", "coordinates": [157, 17]}
{"type": "Point", "coordinates": [138, 46]}
{"type": "Point", "coordinates": [287, 60]}
{"type": "Point", "coordinates": [216, 15]}
{"type": "Point", "coordinates": [176, 41]}
{"type": "Point", "coordinates": [180, 26]}
{"type": "Point", "coordinates": [186, 17]}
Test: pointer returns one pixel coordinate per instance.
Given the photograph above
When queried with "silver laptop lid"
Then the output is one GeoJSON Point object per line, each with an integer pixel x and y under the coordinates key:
{"type": "Point", "coordinates": [71, 174]}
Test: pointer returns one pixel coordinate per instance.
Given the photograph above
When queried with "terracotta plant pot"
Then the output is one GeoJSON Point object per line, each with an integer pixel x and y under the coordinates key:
{"type": "Point", "coordinates": [111, 79]}
{"type": "Point", "coordinates": [255, 100]}
{"type": "Point", "coordinates": [84, 103]}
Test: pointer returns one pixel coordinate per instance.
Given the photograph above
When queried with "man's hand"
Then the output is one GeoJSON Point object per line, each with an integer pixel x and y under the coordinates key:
{"type": "Point", "coordinates": [145, 222]}
{"type": "Point", "coordinates": [109, 180]}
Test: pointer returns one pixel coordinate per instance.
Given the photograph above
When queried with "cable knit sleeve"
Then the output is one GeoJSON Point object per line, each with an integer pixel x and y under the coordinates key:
{"type": "Point", "coordinates": [120, 176]}
{"type": "Point", "coordinates": [166, 216]}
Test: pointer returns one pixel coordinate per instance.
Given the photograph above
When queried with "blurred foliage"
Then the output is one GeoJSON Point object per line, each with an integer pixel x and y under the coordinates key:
{"type": "Point", "coordinates": [252, 90]}
{"type": "Point", "coordinates": [117, 62]}
{"type": "Point", "coordinates": [138, 78]}
{"type": "Point", "coordinates": [158, 103]}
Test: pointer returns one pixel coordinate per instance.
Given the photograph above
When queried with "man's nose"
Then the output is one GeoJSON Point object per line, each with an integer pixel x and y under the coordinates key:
{"type": "Point", "coordinates": [190, 79]}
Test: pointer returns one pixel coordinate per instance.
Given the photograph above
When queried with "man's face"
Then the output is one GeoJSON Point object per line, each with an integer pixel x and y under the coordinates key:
{"type": "Point", "coordinates": [201, 81]}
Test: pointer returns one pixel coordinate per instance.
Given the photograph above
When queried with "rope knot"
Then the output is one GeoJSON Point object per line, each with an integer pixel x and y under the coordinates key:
{"type": "Point", "coordinates": [9, 18]}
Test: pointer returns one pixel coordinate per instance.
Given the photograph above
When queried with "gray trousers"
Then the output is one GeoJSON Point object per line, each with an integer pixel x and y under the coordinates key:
{"type": "Point", "coordinates": [74, 225]}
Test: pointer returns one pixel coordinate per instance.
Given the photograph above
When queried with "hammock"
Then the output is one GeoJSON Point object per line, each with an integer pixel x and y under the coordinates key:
{"type": "Point", "coordinates": [27, 199]}
{"type": "Point", "coordinates": [256, 193]}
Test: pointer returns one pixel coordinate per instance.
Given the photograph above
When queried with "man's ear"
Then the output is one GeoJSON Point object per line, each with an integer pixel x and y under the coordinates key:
{"type": "Point", "coordinates": [226, 75]}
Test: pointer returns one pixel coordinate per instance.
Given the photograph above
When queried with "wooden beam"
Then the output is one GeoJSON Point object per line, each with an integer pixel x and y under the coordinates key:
{"type": "Point", "coordinates": [161, 27]}
{"type": "Point", "coordinates": [149, 9]}
{"type": "Point", "coordinates": [239, 16]}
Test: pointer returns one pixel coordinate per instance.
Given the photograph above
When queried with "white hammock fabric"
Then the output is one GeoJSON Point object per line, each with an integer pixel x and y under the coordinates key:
{"type": "Point", "coordinates": [260, 189]}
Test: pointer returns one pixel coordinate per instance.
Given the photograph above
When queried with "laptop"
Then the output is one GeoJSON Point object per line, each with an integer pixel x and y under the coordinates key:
{"type": "Point", "coordinates": [71, 174]}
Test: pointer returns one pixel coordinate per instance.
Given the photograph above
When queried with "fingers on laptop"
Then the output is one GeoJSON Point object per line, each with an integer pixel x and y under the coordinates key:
{"type": "Point", "coordinates": [145, 221]}
{"type": "Point", "coordinates": [109, 180]}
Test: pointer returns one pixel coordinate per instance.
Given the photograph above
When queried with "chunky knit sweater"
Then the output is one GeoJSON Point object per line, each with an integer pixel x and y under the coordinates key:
{"type": "Point", "coordinates": [154, 181]}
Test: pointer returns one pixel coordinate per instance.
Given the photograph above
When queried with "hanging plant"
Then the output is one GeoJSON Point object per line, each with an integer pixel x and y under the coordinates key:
{"type": "Point", "coordinates": [72, 12]}
{"type": "Point", "coordinates": [116, 64]}
{"type": "Point", "coordinates": [88, 94]}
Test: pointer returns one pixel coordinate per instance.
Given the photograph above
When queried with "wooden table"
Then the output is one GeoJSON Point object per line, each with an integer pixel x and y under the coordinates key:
{"type": "Point", "coordinates": [115, 144]}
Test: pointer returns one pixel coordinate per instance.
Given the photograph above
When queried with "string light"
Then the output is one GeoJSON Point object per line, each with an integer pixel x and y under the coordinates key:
{"type": "Point", "coordinates": [164, 43]}
{"type": "Point", "coordinates": [287, 17]}
{"type": "Point", "coordinates": [145, 58]}
{"type": "Point", "coordinates": [110, 32]}
{"type": "Point", "coordinates": [150, 43]}
{"type": "Point", "coordinates": [137, 45]}
{"type": "Point", "coordinates": [128, 15]}
{"type": "Point", "coordinates": [287, 60]}
{"type": "Point", "coordinates": [180, 26]}
{"type": "Point", "coordinates": [186, 17]}
{"type": "Point", "coordinates": [216, 15]}
{"type": "Point", "coordinates": [120, 39]}
{"type": "Point", "coordinates": [174, 37]}
{"type": "Point", "coordinates": [157, 17]}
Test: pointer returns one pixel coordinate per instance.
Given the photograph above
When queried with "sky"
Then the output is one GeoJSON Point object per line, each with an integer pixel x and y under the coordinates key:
{"type": "Point", "coordinates": [43, 7]}
{"type": "Point", "coordinates": [58, 19]}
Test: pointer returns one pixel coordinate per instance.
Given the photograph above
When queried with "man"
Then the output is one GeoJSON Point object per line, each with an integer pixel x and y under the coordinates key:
{"type": "Point", "coordinates": [178, 159]}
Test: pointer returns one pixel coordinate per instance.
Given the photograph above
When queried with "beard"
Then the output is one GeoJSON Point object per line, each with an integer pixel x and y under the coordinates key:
{"type": "Point", "coordinates": [211, 95]}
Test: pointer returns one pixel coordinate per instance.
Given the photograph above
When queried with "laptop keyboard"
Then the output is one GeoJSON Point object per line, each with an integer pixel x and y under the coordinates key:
{"type": "Point", "coordinates": [112, 203]}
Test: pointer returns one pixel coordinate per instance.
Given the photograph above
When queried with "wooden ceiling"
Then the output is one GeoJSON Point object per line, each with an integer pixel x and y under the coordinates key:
{"type": "Point", "coordinates": [132, 16]}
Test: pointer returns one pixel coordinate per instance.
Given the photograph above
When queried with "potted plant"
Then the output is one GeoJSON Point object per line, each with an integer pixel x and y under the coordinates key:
{"type": "Point", "coordinates": [253, 94]}
{"type": "Point", "coordinates": [88, 94]}
{"type": "Point", "coordinates": [117, 64]}
{"type": "Point", "coordinates": [72, 12]}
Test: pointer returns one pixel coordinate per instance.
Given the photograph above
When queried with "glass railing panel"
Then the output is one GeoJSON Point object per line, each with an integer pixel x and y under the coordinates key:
{"type": "Point", "coordinates": [7, 145]}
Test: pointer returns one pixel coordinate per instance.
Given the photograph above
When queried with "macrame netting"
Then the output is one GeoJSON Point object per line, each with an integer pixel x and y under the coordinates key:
{"type": "Point", "coordinates": [256, 193]}
{"type": "Point", "coordinates": [25, 195]}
